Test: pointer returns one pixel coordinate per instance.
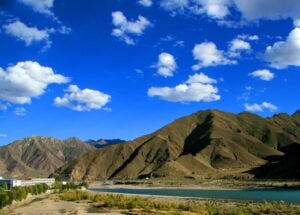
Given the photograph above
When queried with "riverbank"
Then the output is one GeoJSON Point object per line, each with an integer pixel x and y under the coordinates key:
{"type": "Point", "coordinates": [209, 184]}
{"type": "Point", "coordinates": [81, 202]}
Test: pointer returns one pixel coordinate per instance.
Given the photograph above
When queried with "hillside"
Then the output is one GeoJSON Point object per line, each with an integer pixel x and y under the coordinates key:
{"type": "Point", "coordinates": [39, 156]}
{"type": "Point", "coordinates": [205, 144]}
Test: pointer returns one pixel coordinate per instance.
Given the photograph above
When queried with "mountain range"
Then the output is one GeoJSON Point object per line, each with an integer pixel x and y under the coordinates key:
{"type": "Point", "coordinates": [39, 156]}
{"type": "Point", "coordinates": [204, 144]}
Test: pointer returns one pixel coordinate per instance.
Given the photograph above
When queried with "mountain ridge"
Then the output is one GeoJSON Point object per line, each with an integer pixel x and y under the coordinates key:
{"type": "Point", "coordinates": [38, 156]}
{"type": "Point", "coordinates": [214, 142]}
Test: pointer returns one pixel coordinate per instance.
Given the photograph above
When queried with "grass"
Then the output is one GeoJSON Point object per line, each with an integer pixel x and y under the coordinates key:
{"type": "Point", "coordinates": [151, 206]}
{"type": "Point", "coordinates": [230, 183]}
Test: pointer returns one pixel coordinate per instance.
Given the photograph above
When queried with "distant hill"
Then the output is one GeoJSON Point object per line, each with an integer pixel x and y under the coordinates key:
{"type": "Point", "coordinates": [39, 156]}
{"type": "Point", "coordinates": [104, 142]}
{"type": "Point", "coordinates": [205, 144]}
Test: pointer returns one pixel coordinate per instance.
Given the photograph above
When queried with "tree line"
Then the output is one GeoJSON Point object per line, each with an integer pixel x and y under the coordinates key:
{"type": "Point", "coordinates": [7, 196]}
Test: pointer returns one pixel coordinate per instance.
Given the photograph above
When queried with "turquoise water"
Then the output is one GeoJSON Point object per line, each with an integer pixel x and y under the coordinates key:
{"type": "Point", "coordinates": [289, 196]}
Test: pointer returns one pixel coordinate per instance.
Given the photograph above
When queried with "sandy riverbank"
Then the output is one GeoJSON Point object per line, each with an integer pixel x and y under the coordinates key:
{"type": "Point", "coordinates": [81, 203]}
{"type": "Point", "coordinates": [50, 205]}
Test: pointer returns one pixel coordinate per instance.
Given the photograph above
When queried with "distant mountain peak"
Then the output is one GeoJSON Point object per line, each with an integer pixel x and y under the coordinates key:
{"type": "Point", "coordinates": [39, 156]}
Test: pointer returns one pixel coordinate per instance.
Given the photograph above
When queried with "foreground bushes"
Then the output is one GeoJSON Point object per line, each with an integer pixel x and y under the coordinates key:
{"type": "Point", "coordinates": [20, 193]}
{"type": "Point", "coordinates": [145, 205]}
{"type": "Point", "coordinates": [60, 187]}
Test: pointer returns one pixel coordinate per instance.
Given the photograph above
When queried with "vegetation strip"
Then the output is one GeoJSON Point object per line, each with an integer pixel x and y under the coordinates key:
{"type": "Point", "coordinates": [150, 206]}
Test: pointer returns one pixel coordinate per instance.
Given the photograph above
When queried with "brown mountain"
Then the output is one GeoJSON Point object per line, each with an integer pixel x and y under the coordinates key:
{"type": "Point", "coordinates": [205, 144]}
{"type": "Point", "coordinates": [39, 156]}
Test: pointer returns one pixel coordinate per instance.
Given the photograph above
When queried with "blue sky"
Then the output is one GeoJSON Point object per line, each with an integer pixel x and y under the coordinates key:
{"type": "Point", "coordinates": [121, 69]}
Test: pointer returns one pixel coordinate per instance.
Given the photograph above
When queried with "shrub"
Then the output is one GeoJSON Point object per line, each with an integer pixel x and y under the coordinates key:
{"type": "Point", "coordinates": [20, 193]}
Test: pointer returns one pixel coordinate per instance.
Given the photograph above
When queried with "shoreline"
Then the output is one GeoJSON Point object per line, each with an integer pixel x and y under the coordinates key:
{"type": "Point", "coordinates": [210, 193]}
{"type": "Point", "coordinates": [71, 202]}
{"type": "Point", "coordinates": [213, 184]}
{"type": "Point", "coordinates": [170, 187]}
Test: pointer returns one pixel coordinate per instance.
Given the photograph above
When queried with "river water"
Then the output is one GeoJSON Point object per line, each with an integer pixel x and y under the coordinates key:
{"type": "Point", "coordinates": [286, 195]}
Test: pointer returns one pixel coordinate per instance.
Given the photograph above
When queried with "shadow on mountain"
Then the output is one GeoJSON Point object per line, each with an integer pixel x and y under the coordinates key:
{"type": "Point", "coordinates": [286, 166]}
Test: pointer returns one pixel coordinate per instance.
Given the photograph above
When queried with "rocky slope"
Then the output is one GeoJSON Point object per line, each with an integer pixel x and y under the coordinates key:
{"type": "Point", "coordinates": [205, 144]}
{"type": "Point", "coordinates": [39, 156]}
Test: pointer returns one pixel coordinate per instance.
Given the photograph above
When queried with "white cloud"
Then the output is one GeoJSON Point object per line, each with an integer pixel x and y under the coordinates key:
{"type": "Point", "coordinates": [200, 78]}
{"type": "Point", "coordinates": [145, 3]}
{"type": "Point", "coordinates": [216, 9]}
{"type": "Point", "coordinates": [174, 5]}
{"type": "Point", "coordinates": [263, 74]}
{"type": "Point", "coordinates": [82, 100]}
{"type": "Point", "coordinates": [198, 87]}
{"type": "Point", "coordinates": [285, 53]}
{"type": "Point", "coordinates": [26, 80]}
{"type": "Point", "coordinates": [251, 10]}
{"type": "Point", "coordinates": [268, 9]}
{"type": "Point", "coordinates": [166, 65]}
{"type": "Point", "coordinates": [260, 107]}
{"type": "Point", "coordinates": [236, 46]}
{"type": "Point", "coordinates": [19, 111]}
{"type": "Point", "coordinates": [27, 34]}
{"type": "Point", "coordinates": [297, 22]}
{"type": "Point", "coordinates": [248, 37]}
{"type": "Point", "coordinates": [207, 54]}
{"type": "Point", "coordinates": [40, 6]}
{"type": "Point", "coordinates": [124, 29]}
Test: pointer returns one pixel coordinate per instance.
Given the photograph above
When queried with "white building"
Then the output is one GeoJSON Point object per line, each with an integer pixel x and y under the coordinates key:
{"type": "Point", "coordinates": [33, 181]}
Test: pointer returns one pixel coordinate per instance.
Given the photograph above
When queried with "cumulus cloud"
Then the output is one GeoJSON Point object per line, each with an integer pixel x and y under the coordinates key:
{"type": "Point", "coordinates": [297, 22]}
{"type": "Point", "coordinates": [197, 88]}
{"type": "Point", "coordinates": [263, 74]}
{"type": "Point", "coordinates": [26, 80]}
{"type": "Point", "coordinates": [145, 3]}
{"type": "Point", "coordinates": [166, 65]}
{"type": "Point", "coordinates": [40, 6]}
{"type": "Point", "coordinates": [174, 5]}
{"type": "Point", "coordinates": [216, 9]}
{"type": "Point", "coordinates": [27, 34]}
{"type": "Point", "coordinates": [260, 107]}
{"type": "Point", "coordinates": [207, 54]}
{"type": "Point", "coordinates": [250, 10]}
{"type": "Point", "coordinates": [124, 29]}
{"type": "Point", "coordinates": [82, 100]}
{"type": "Point", "coordinates": [285, 53]}
{"type": "Point", "coordinates": [236, 46]}
{"type": "Point", "coordinates": [200, 78]}
{"type": "Point", "coordinates": [268, 9]}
